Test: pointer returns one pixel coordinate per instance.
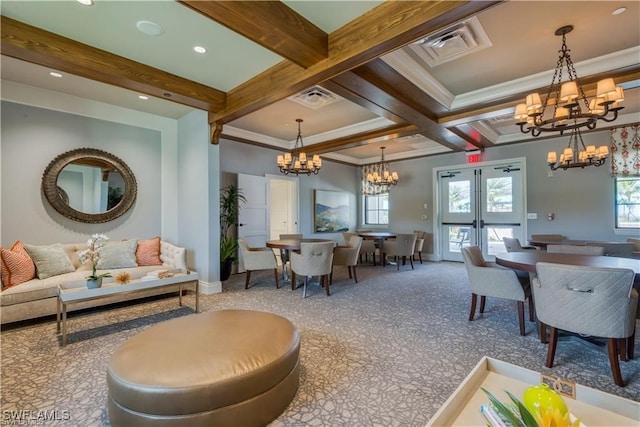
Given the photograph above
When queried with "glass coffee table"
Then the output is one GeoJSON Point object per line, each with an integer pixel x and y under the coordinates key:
{"type": "Point", "coordinates": [75, 292]}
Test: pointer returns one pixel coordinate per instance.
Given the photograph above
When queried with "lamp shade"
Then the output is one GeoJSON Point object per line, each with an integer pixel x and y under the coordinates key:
{"type": "Point", "coordinates": [606, 87]}
{"type": "Point", "coordinates": [568, 91]}
{"type": "Point", "coordinates": [533, 101]}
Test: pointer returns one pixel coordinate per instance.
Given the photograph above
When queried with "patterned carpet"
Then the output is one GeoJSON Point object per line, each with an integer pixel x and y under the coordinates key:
{"type": "Point", "coordinates": [387, 351]}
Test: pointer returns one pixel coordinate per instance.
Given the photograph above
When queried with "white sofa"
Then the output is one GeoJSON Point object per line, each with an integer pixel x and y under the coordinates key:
{"type": "Point", "coordinates": [37, 297]}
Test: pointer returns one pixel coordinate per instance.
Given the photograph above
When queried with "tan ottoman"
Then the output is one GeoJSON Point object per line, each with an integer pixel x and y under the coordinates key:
{"type": "Point", "coordinates": [227, 368]}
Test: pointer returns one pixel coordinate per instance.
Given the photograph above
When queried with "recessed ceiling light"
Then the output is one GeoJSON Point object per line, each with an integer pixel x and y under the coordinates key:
{"type": "Point", "coordinates": [150, 28]}
{"type": "Point", "coordinates": [199, 49]}
{"type": "Point", "coordinates": [85, 2]}
{"type": "Point", "coordinates": [143, 97]}
{"type": "Point", "coordinates": [619, 10]}
{"type": "Point", "coordinates": [54, 74]}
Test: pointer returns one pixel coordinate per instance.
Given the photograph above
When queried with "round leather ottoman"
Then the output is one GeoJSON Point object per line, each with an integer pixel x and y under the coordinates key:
{"type": "Point", "coordinates": [226, 368]}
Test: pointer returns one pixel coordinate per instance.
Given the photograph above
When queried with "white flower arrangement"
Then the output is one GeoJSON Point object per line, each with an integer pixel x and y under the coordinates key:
{"type": "Point", "coordinates": [92, 253]}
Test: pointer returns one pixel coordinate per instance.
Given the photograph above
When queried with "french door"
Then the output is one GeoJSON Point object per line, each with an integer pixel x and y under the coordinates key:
{"type": "Point", "coordinates": [480, 205]}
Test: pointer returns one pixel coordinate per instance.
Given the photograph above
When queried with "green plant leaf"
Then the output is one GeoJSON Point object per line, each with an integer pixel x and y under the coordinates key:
{"type": "Point", "coordinates": [503, 410]}
{"type": "Point", "coordinates": [528, 419]}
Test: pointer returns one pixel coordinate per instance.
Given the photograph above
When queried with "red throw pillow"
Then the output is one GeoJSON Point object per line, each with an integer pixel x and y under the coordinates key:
{"type": "Point", "coordinates": [148, 252]}
{"type": "Point", "coordinates": [17, 266]}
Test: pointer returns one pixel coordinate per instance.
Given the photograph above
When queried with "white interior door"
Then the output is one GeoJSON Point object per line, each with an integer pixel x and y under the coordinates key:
{"type": "Point", "coordinates": [283, 206]}
{"type": "Point", "coordinates": [253, 222]}
{"type": "Point", "coordinates": [479, 205]}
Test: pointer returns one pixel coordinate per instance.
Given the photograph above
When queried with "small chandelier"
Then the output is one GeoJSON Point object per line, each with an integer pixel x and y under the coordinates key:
{"type": "Point", "coordinates": [381, 175]}
{"type": "Point", "coordinates": [565, 98]}
{"type": "Point", "coordinates": [574, 157]}
{"type": "Point", "coordinates": [296, 162]}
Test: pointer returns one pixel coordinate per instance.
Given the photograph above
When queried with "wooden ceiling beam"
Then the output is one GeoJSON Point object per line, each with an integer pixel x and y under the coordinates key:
{"type": "Point", "coordinates": [272, 25]}
{"type": "Point", "coordinates": [31, 44]}
{"type": "Point", "coordinates": [383, 29]}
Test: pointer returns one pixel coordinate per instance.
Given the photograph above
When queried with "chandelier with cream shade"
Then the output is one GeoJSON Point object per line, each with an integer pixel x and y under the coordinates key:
{"type": "Point", "coordinates": [297, 162]}
{"type": "Point", "coordinates": [380, 174]}
{"type": "Point", "coordinates": [577, 155]}
{"type": "Point", "coordinates": [566, 106]}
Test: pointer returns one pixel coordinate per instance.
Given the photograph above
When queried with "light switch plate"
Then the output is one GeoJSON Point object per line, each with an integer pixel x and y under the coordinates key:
{"type": "Point", "coordinates": [532, 216]}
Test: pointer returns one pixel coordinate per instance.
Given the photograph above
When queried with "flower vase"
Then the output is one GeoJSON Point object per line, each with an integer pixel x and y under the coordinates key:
{"type": "Point", "coordinates": [94, 283]}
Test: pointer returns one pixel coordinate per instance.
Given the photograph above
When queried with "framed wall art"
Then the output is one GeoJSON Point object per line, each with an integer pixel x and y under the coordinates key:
{"type": "Point", "coordinates": [330, 211]}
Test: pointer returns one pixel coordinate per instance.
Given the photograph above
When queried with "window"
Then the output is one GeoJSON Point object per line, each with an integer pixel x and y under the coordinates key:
{"type": "Point", "coordinates": [376, 209]}
{"type": "Point", "coordinates": [627, 202]}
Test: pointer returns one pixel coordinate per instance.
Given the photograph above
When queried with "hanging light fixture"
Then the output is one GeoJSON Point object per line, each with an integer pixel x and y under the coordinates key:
{"type": "Point", "coordinates": [296, 162]}
{"type": "Point", "coordinates": [380, 174]}
{"type": "Point", "coordinates": [577, 155]}
{"type": "Point", "coordinates": [562, 109]}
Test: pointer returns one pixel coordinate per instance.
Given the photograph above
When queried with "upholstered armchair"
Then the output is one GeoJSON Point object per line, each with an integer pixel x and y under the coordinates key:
{"type": "Point", "coordinates": [402, 247]}
{"type": "Point", "coordinates": [513, 245]}
{"type": "Point", "coordinates": [284, 253]}
{"type": "Point", "coordinates": [487, 279]}
{"type": "Point", "coordinates": [575, 249]}
{"type": "Point", "coordinates": [595, 301]}
{"type": "Point", "coordinates": [257, 259]}
{"type": "Point", "coordinates": [314, 259]}
{"type": "Point", "coordinates": [347, 256]}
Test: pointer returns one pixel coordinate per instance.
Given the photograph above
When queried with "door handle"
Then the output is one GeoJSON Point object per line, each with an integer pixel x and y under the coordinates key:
{"type": "Point", "coordinates": [240, 225]}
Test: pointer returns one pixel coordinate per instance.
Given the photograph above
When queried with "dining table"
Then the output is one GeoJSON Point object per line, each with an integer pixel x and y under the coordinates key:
{"type": "Point", "coordinates": [378, 236]}
{"type": "Point", "coordinates": [527, 260]}
{"type": "Point", "coordinates": [540, 243]}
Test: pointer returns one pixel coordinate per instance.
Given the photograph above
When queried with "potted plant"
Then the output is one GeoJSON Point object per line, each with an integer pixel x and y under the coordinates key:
{"type": "Point", "coordinates": [230, 199]}
{"type": "Point", "coordinates": [92, 253]}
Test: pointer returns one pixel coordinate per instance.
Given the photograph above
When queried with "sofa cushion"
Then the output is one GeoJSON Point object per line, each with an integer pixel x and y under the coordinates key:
{"type": "Point", "coordinates": [50, 260]}
{"type": "Point", "coordinates": [118, 255]}
{"type": "Point", "coordinates": [148, 252]}
{"type": "Point", "coordinates": [17, 266]}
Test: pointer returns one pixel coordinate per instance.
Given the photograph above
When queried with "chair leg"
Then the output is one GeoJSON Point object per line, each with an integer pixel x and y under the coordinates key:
{"type": "Point", "coordinates": [293, 280]}
{"type": "Point", "coordinates": [521, 316]}
{"type": "Point", "coordinates": [355, 276]}
{"type": "Point", "coordinates": [613, 360]}
{"type": "Point", "coordinates": [383, 260]}
{"type": "Point", "coordinates": [246, 279]}
{"type": "Point", "coordinates": [325, 279]}
{"type": "Point", "coordinates": [331, 276]}
{"type": "Point", "coordinates": [304, 287]}
{"type": "Point", "coordinates": [397, 260]}
{"type": "Point", "coordinates": [551, 351]}
{"type": "Point", "coordinates": [532, 310]}
{"type": "Point", "coordinates": [483, 301]}
{"type": "Point", "coordinates": [420, 256]}
{"type": "Point", "coordinates": [621, 343]}
{"type": "Point", "coordinates": [543, 333]}
{"type": "Point", "coordinates": [411, 261]}
{"type": "Point", "coordinates": [474, 300]}
{"type": "Point", "coordinates": [275, 274]}
{"type": "Point", "coordinates": [349, 270]}
{"type": "Point", "coordinates": [631, 342]}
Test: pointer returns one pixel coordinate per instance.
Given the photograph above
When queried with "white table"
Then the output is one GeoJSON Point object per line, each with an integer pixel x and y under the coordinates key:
{"type": "Point", "coordinates": [74, 292]}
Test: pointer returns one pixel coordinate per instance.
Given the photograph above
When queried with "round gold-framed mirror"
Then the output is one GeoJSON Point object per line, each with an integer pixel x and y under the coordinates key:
{"type": "Point", "coordinates": [89, 185]}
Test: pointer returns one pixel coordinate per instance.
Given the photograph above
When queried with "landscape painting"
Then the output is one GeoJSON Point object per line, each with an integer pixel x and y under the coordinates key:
{"type": "Point", "coordinates": [331, 211]}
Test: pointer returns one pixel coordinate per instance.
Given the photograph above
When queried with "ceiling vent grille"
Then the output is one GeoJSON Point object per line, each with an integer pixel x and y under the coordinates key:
{"type": "Point", "coordinates": [451, 43]}
{"type": "Point", "coordinates": [315, 98]}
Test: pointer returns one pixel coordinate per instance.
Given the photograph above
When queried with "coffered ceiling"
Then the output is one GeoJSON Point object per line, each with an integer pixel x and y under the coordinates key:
{"type": "Point", "coordinates": [419, 77]}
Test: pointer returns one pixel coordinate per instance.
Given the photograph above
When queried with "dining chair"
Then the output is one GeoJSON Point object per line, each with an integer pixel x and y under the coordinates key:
{"type": "Point", "coordinates": [257, 259]}
{"type": "Point", "coordinates": [368, 246]}
{"type": "Point", "coordinates": [403, 246]}
{"type": "Point", "coordinates": [548, 237]}
{"type": "Point", "coordinates": [513, 245]}
{"type": "Point", "coordinates": [420, 238]}
{"type": "Point", "coordinates": [618, 249]}
{"type": "Point", "coordinates": [636, 250]}
{"type": "Point", "coordinates": [284, 253]}
{"type": "Point", "coordinates": [346, 235]}
{"type": "Point", "coordinates": [573, 249]}
{"type": "Point", "coordinates": [314, 259]}
{"type": "Point", "coordinates": [594, 301]}
{"type": "Point", "coordinates": [487, 279]}
{"type": "Point", "coordinates": [347, 256]}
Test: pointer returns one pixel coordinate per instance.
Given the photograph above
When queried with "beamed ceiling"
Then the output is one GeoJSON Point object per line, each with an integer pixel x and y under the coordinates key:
{"type": "Point", "coordinates": [374, 57]}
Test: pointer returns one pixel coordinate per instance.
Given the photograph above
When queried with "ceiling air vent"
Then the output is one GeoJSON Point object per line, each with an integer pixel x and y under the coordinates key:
{"type": "Point", "coordinates": [315, 98]}
{"type": "Point", "coordinates": [451, 43]}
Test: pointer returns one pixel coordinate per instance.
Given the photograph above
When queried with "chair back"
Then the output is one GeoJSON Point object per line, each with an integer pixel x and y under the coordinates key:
{"type": "Point", "coordinates": [512, 245]}
{"type": "Point", "coordinates": [489, 279]}
{"type": "Point", "coordinates": [420, 236]}
{"type": "Point", "coordinates": [572, 249]}
{"type": "Point", "coordinates": [636, 244]}
{"type": "Point", "coordinates": [472, 256]}
{"type": "Point", "coordinates": [618, 249]}
{"type": "Point", "coordinates": [403, 245]}
{"type": "Point", "coordinates": [548, 237]}
{"type": "Point", "coordinates": [586, 300]}
{"type": "Point", "coordinates": [346, 235]}
{"type": "Point", "coordinates": [315, 259]}
{"type": "Point", "coordinates": [291, 236]}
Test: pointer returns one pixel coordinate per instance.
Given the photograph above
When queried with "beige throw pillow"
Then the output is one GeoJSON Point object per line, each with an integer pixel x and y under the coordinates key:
{"type": "Point", "coordinates": [50, 260]}
{"type": "Point", "coordinates": [118, 255]}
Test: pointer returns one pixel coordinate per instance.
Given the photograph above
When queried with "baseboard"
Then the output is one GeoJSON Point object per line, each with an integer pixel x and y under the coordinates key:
{"type": "Point", "coordinates": [209, 288]}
